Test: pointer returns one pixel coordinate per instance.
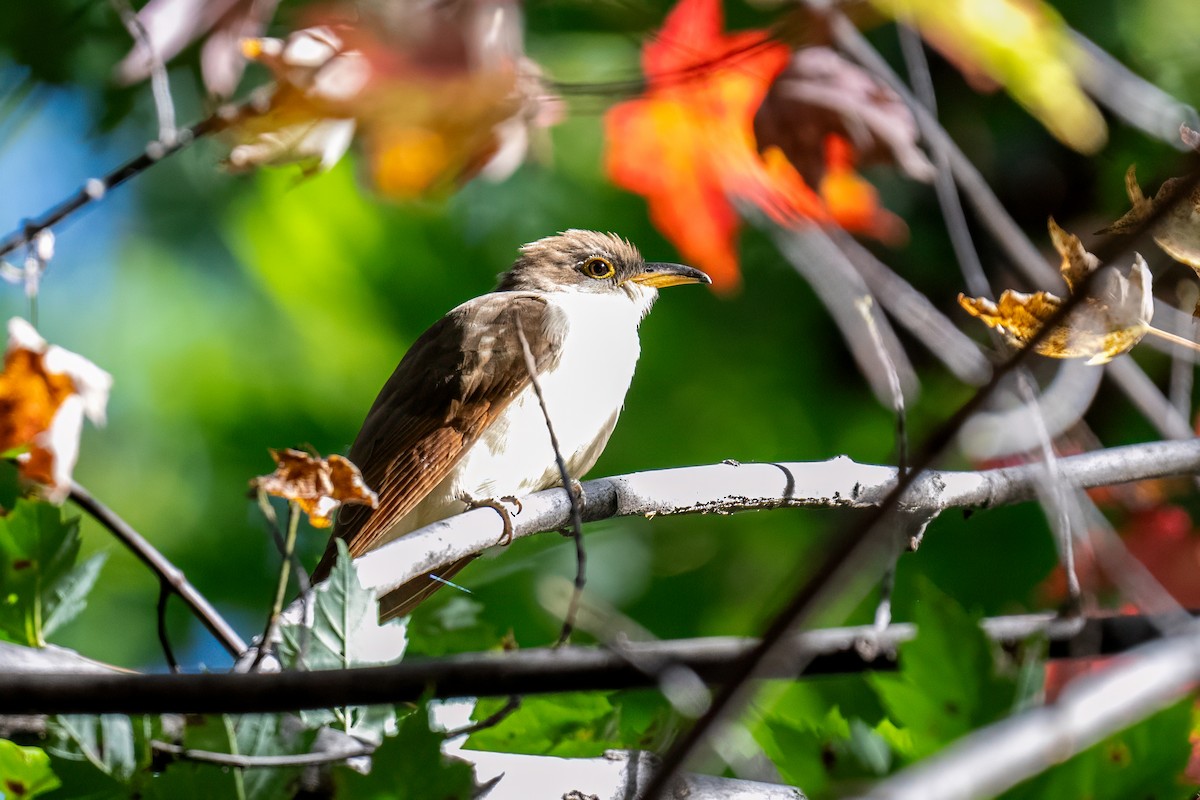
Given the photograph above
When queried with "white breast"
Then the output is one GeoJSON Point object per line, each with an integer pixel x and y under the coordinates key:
{"type": "Point", "coordinates": [584, 394]}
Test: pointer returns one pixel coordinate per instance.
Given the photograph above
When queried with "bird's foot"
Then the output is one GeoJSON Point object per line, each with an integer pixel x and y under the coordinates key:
{"type": "Point", "coordinates": [497, 505]}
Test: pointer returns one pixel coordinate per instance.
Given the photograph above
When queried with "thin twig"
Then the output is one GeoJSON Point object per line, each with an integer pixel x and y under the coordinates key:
{"type": "Point", "coordinates": [567, 483]}
{"type": "Point", "coordinates": [943, 181]}
{"type": "Point", "coordinates": [913, 311]}
{"type": "Point", "coordinates": [521, 672]}
{"type": "Point", "coordinates": [94, 189]}
{"type": "Point", "coordinates": [288, 551]}
{"type": "Point", "coordinates": [252, 762]}
{"type": "Point", "coordinates": [159, 84]}
{"type": "Point", "coordinates": [511, 704]}
{"type": "Point", "coordinates": [1183, 368]}
{"type": "Point", "coordinates": [167, 572]}
{"type": "Point", "coordinates": [164, 594]}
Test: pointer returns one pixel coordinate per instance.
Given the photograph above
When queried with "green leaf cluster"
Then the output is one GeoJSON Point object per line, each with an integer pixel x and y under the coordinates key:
{"type": "Point", "coordinates": [41, 586]}
{"type": "Point", "coordinates": [833, 736]}
{"type": "Point", "coordinates": [25, 771]}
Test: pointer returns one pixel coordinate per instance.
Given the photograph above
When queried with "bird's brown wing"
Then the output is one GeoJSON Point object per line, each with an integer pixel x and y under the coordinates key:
{"type": "Point", "coordinates": [453, 382]}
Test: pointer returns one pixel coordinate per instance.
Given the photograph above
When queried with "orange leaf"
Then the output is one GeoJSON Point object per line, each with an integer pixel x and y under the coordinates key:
{"type": "Point", "coordinates": [688, 145]}
{"type": "Point", "coordinates": [435, 94]}
{"type": "Point", "coordinates": [317, 485]}
{"type": "Point", "coordinates": [45, 392]}
{"type": "Point", "coordinates": [688, 142]}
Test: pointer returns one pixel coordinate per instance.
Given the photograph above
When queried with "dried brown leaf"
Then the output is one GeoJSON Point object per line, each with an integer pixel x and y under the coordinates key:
{"type": "Point", "coordinates": [317, 485]}
{"type": "Point", "coordinates": [821, 93]}
{"type": "Point", "coordinates": [45, 392]}
{"type": "Point", "coordinates": [1177, 231]}
{"type": "Point", "coordinates": [1113, 318]}
{"type": "Point", "coordinates": [435, 95]}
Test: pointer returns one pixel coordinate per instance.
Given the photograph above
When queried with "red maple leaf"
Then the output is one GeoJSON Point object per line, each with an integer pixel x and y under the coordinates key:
{"type": "Point", "coordinates": [687, 144]}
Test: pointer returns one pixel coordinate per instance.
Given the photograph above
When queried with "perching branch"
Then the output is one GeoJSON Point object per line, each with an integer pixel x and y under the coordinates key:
{"type": "Point", "coordinates": [168, 574]}
{"type": "Point", "coordinates": [522, 672]}
{"type": "Point", "coordinates": [728, 488]}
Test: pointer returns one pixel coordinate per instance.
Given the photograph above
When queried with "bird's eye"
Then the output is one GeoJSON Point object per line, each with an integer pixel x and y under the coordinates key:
{"type": "Point", "coordinates": [598, 268]}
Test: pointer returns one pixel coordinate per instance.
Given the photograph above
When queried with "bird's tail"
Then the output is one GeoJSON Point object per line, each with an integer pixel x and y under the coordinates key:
{"type": "Point", "coordinates": [403, 600]}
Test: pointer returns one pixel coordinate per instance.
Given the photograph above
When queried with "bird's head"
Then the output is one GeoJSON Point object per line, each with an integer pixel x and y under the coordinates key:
{"type": "Point", "coordinates": [599, 263]}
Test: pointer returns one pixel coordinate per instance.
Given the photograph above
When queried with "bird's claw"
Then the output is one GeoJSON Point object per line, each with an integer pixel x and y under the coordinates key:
{"type": "Point", "coordinates": [497, 505]}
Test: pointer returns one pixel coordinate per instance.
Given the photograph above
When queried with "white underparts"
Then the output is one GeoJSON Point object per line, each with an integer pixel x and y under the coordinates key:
{"type": "Point", "coordinates": [584, 394]}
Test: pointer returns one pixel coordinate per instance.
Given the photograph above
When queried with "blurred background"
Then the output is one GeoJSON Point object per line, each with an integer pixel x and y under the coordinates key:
{"type": "Point", "coordinates": [240, 312]}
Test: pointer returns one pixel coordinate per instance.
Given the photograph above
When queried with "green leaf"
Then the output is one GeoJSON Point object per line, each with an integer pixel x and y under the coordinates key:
{"type": "Point", "coordinates": [41, 588]}
{"type": "Point", "coordinates": [184, 780]}
{"type": "Point", "coordinates": [570, 725]}
{"type": "Point", "coordinates": [70, 594]}
{"type": "Point", "coordinates": [345, 633]}
{"type": "Point", "coordinates": [947, 683]}
{"type": "Point", "coordinates": [24, 771]}
{"type": "Point", "coordinates": [451, 626]}
{"type": "Point", "coordinates": [1145, 761]}
{"type": "Point", "coordinates": [819, 754]}
{"type": "Point", "coordinates": [409, 766]}
{"type": "Point", "coordinates": [107, 742]}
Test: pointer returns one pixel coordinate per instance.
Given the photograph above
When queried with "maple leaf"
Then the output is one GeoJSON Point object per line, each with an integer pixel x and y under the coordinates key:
{"type": "Point", "coordinates": [1177, 229]}
{"type": "Point", "coordinates": [1023, 45]}
{"type": "Point", "coordinates": [433, 98]}
{"type": "Point", "coordinates": [688, 144]}
{"type": "Point", "coordinates": [45, 392]}
{"type": "Point", "coordinates": [1113, 318]}
{"type": "Point", "coordinates": [317, 485]}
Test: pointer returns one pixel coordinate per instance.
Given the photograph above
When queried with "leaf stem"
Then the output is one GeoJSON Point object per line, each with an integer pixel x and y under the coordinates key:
{"type": "Point", "coordinates": [285, 572]}
{"type": "Point", "coordinates": [1173, 338]}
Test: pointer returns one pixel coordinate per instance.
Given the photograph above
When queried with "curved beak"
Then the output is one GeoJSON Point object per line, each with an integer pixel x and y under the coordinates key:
{"type": "Point", "coordinates": [660, 275]}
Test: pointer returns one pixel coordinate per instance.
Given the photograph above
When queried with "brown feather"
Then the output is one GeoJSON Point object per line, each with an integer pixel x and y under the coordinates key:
{"type": "Point", "coordinates": [469, 367]}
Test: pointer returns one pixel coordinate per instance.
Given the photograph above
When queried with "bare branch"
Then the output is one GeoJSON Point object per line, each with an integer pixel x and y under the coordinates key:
{"type": "Point", "coordinates": [95, 189]}
{"type": "Point", "coordinates": [729, 488]}
{"type": "Point", "coordinates": [522, 672]}
{"type": "Point", "coordinates": [167, 573]}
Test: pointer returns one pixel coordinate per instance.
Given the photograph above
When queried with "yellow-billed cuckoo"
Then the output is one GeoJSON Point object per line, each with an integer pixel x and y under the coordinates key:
{"type": "Point", "coordinates": [458, 421]}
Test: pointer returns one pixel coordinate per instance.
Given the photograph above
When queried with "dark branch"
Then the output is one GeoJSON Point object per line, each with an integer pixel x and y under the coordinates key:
{"type": "Point", "coordinates": [168, 574]}
{"type": "Point", "coordinates": [523, 672]}
{"type": "Point", "coordinates": [94, 189]}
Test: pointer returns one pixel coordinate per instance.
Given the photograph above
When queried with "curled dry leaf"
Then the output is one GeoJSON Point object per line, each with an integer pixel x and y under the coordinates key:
{"type": "Point", "coordinates": [45, 392]}
{"type": "Point", "coordinates": [436, 93]}
{"type": "Point", "coordinates": [317, 485]}
{"type": "Point", "coordinates": [1113, 318]}
{"type": "Point", "coordinates": [1177, 230]}
{"type": "Point", "coordinates": [821, 93]}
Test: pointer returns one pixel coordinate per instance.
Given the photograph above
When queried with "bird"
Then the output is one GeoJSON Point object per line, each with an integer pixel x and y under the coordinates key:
{"type": "Point", "coordinates": [458, 423]}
